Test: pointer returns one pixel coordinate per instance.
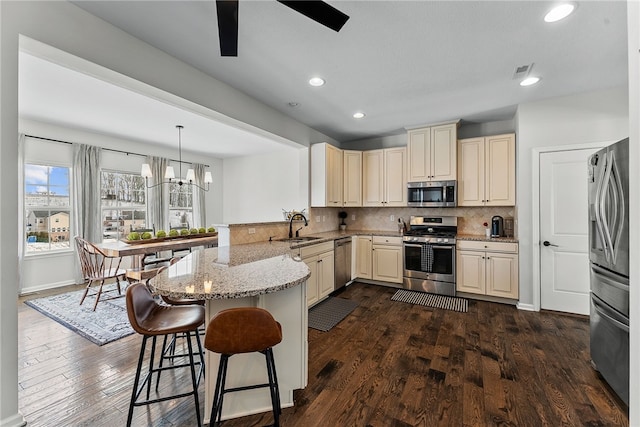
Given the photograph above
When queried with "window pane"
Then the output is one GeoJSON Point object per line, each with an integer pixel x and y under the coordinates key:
{"type": "Point", "coordinates": [46, 187]}
{"type": "Point", "coordinates": [112, 225]}
{"type": "Point", "coordinates": [180, 218]}
{"type": "Point", "coordinates": [124, 204]}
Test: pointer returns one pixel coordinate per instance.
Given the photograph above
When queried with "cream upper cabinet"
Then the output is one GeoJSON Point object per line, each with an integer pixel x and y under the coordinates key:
{"type": "Point", "coordinates": [486, 171]}
{"type": "Point", "coordinates": [352, 177]}
{"type": "Point", "coordinates": [487, 268]}
{"type": "Point", "coordinates": [384, 177]}
{"type": "Point", "coordinates": [326, 175]}
{"type": "Point", "coordinates": [432, 153]}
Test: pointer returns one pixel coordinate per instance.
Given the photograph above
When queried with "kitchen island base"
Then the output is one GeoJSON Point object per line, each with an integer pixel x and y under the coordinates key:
{"type": "Point", "coordinates": [289, 307]}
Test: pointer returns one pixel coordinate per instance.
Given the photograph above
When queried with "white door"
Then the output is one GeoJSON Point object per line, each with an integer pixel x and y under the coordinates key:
{"type": "Point", "coordinates": [564, 260]}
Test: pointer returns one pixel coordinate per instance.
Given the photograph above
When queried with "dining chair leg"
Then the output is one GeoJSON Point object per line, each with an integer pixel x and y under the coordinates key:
{"type": "Point", "coordinates": [95, 305]}
{"type": "Point", "coordinates": [86, 291]}
{"type": "Point", "coordinates": [151, 361]}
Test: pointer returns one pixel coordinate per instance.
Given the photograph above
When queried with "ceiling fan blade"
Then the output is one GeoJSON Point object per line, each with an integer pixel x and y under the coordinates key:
{"type": "Point", "coordinates": [321, 12]}
{"type": "Point", "coordinates": [228, 26]}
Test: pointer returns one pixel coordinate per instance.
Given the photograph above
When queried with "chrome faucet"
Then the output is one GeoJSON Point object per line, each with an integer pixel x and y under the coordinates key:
{"type": "Point", "coordinates": [294, 216]}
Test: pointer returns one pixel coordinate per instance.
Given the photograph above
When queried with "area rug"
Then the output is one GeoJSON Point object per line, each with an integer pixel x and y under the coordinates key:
{"type": "Point", "coordinates": [330, 312]}
{"type": "Point", "coordinates": [108, 323]}
{"type": "Point", "coordinates": [432, 300]}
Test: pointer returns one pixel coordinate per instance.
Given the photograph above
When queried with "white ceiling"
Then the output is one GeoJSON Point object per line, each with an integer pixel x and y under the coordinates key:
{"type": "Point", "coordinates": [404, 63]}
{"type": "Point", "coordinates": [55, 94]}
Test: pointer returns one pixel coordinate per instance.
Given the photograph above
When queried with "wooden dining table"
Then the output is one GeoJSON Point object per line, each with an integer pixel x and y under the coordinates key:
{"type": "Point", "coordinates": [139, 250]}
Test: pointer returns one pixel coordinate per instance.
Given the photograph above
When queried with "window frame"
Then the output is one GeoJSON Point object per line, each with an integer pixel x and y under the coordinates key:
{"type": "Point", "coordinates": [41, 221]}
{"type": "Point", "coordinates": [120, 208]}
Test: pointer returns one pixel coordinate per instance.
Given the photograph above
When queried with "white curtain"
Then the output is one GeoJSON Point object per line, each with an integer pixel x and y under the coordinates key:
{"type": "Point", "coordinates": [21, 226]}
{"type": "Point", "coordinates": [158, 196]}
{"type": "Point", "coordinates": [199, 210]}
{"type": "Point", "coordinates": [87, 220]}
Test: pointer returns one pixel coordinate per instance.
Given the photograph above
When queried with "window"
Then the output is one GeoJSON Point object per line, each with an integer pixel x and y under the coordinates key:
{"type": "Point", "coordinates": [46, 201]}
{"type": "Point", "coordinates": [124, 205]}
{"type": "Point", "coordinates": [180, 206]}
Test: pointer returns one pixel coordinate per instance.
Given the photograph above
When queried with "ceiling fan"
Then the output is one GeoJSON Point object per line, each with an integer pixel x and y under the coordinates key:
{"type": "Point", "coordinates": [319, 11]}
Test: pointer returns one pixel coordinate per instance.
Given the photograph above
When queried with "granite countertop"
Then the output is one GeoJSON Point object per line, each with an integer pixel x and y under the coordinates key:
{"type": "Point", "coordinates": [481, 238]}
{"type": "Point", "coordinates": [234, 272]}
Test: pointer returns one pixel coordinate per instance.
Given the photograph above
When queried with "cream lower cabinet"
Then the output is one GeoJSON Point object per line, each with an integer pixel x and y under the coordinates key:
{"type": "Point", "coordinates": [320, 260]}
{"type": "Point", "coordinates": [487, 268]}
{"type": "Point", "coordinates": [379, 258]}
{"type": "Point", "coordinates": [387, 259]}
{"type": "Point", "coordinates": [364, 245]}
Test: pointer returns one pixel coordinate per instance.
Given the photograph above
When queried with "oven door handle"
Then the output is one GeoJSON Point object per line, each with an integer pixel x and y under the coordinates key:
{"type": "Point", "coordinates": [433, 245]}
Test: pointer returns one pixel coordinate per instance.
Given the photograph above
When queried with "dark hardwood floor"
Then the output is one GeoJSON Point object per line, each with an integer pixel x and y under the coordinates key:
{"type": "Point", "coordinates": [387, 364]}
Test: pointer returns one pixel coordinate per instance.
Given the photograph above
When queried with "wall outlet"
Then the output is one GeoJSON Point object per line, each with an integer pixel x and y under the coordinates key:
{"type": "Point", "coordinates": [324, 217]}
{"type": "Point", "coordinates": [392, 218]}
{"type": "Point", "coordinates": [317, 218]}
{"type": "Point", "coordinates": [252, 231]}
{"type": "Point", "coordinates": [353, 217]}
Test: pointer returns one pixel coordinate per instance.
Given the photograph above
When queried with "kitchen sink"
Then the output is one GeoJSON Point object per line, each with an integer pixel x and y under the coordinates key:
{"type": "Point", "coordinates": [297, 239]}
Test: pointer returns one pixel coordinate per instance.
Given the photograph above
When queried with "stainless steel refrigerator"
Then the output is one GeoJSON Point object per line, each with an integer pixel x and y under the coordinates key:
{"type": "Point", "coordinates": [608, 176]}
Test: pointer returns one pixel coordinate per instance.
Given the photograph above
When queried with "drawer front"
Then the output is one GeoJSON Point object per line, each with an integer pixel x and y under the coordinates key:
{"type": "Point", "coordinates": [487, 246]}
{"type": "Point", "coordinates": [387, 240]}
{"type": "Point", "coordinates": [307, 251]}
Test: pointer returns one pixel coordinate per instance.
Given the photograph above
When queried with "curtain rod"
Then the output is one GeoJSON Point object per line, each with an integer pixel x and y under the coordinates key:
{"type": "Point", "coordinates": [108, 149]}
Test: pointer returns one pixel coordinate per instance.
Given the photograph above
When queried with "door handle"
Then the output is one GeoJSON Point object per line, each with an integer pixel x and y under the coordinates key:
{"type": "Point", "coordinates": [546, 243]}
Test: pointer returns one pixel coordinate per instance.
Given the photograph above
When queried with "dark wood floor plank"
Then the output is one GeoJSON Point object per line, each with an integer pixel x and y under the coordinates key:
{"type": "Point", "coordinates": [387, 364]}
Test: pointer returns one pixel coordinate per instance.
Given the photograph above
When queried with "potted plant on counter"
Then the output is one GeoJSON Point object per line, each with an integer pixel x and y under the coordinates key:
{"type": "Point", "coordinates": [342, 215]}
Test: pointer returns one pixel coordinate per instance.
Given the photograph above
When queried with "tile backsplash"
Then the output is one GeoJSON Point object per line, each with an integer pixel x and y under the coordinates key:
{"type": "Point", "coordinates": [470, 221]}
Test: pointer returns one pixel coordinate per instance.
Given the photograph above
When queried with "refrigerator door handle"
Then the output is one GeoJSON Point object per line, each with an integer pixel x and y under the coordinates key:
{"type": "Point", "coordinates": [599, 208]}
{"type": "Point", "coordinates": [604, 208]}
{"type": "Point", "coordinates": [601, 311]}
{"type": "Point", "coordinates": [618, 207]}
{"type": "Point", "coordinates": [614, 280]}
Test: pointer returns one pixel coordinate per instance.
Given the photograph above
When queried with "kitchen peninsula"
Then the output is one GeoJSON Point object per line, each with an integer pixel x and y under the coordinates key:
{"type": "Point", "coordinates": [266, 275]}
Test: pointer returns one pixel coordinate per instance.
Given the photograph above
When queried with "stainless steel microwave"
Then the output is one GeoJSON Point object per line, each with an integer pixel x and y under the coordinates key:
{"type": "Point", "coordinates": [432, 194]}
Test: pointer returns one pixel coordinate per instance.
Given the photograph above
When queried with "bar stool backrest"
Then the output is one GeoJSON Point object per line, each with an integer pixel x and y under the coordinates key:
{"type": "Point", "coordinates": [242, 330]}
{"type": "Point", "coordinates": [140, 304]}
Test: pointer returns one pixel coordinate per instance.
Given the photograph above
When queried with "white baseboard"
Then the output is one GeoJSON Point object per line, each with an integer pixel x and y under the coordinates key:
{"type": "Point", "coordinates": [526, 307]}
{"type": "Point", "coordinates": [45, 287]}
{"type": "Point", "coordinates": [15, 420]}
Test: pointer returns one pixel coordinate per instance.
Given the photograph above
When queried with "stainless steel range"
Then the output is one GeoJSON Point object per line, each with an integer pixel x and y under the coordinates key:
{"type": "Point", "coordinates": [430, 254]}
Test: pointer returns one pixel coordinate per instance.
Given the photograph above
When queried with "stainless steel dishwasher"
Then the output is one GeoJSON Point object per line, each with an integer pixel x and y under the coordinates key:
{"type": "Point", "coordinates": [342, 251]}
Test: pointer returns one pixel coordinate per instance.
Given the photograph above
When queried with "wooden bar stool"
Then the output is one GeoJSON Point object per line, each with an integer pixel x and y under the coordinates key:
{"type": "Point", "coordinates": [152, 320]}
{"type": "Point", "coordinates": [243, 330]}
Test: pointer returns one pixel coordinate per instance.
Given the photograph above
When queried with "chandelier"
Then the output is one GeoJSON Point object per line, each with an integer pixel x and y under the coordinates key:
{"type": "Point", "coordinates": [169, 174]}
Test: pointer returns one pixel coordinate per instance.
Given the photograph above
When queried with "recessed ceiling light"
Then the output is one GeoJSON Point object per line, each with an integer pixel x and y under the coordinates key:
{"type": "Point", "coordinates": [316, 81]}
{"type": "Point", "coordinates": [530, 81]}
{"type": "Point", "coordinates": [358, 115]}
{"type": "Point", "coordinates": [559, 12]}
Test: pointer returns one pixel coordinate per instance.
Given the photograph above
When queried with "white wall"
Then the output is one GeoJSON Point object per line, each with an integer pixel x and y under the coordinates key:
{"type": "Point", "coordinates": [590, 117]}
{"type": "Point", "coordinates": [258, 188]}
